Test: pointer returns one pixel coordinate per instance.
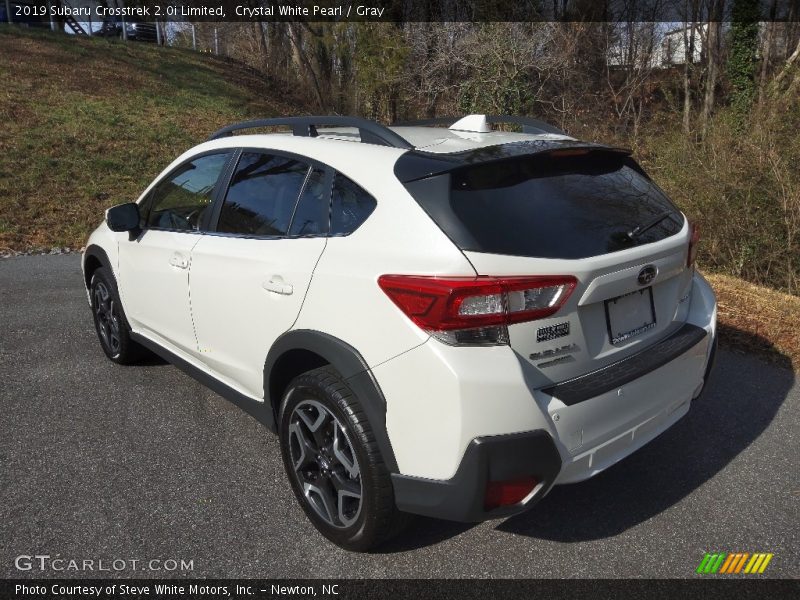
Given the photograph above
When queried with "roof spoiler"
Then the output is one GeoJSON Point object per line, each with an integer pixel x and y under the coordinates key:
{"type": "Point", "coordinates": [419, 164]}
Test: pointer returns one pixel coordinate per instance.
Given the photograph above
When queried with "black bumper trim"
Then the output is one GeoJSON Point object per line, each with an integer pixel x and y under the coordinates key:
{"type": "Point", "coordinates": [626, 370]}
{"type": "Point", "coordinates": [490, 458]}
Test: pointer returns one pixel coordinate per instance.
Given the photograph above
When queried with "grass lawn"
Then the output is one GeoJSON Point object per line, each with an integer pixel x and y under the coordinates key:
{"type": "Point", "coordinates": [758, 319]}
{"type": "Point", "coordinates": [87, 123]}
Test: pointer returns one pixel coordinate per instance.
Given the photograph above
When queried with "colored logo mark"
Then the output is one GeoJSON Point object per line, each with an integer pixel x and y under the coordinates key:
{"type": "Point", "coordinates": [734, 562]}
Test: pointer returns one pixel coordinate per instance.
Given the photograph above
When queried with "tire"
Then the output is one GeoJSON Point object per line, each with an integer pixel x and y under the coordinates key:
{"type": "Point", "coordinates": [334, 464]}
{"type": "Point", "coordinates": [110, 322]}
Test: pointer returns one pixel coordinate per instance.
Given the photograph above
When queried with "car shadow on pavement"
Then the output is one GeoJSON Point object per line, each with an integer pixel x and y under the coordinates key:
{"type": "Point", "coordinates": [739, 403]}
{"type": "Point", "coordinates": [423, 532]}
{"type": "Point", "coordinates": [152, 359]}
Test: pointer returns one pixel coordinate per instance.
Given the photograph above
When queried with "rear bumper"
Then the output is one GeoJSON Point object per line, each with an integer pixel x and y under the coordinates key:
{"type": "Point", "coordinates": [656, 392]}
{"type": "Point", "coordinates": [610, 426]}
{"type": "Point", "coordinates": [491, 458]}
{"type": "Point", "coordinates": [460, 395]}
{"type": "Point", "coordinates": [534, 453]}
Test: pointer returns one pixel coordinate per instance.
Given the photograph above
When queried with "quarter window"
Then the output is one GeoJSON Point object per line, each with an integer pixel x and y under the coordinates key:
{"type": "Point", "coordinates": [262, 195]}
{"type": "Point", "coordinates": [350, 206]}
{"type": "Point", "coordinates": [182, 199]}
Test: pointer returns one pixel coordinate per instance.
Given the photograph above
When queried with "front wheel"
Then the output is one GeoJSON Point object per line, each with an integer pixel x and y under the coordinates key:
{"type": "Point", "coordinates": [334, 464]}
{"type": "Point", "coordinates": [109, 320]}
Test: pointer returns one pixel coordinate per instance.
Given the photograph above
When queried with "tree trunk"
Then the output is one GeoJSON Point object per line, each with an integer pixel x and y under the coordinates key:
{"type": "Point", "coordinates": [262, 43]}
{"type": "Point", "coordinates": [688, 48]}
{"type": "Point", "coordinates": [713, 60]}
{"type": "Point", "coordinates": [790, 28]}
{"type": "Point", "coordinates": [766, 52]}
{"type": "Point", "coordinates": [787, 68]}
{"type": "Point", "coordinates": [766, 55]}
{"type": "Point", "coordinates": [300, 59]}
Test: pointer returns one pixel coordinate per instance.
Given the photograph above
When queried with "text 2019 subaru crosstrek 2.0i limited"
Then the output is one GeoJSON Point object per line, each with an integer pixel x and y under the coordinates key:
{"type": "Point", "coordinates": [443, 321]}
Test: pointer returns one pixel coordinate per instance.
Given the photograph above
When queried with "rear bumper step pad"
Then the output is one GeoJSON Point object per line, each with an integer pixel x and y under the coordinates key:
{"type": "Point", "coordinates": [626, 370]}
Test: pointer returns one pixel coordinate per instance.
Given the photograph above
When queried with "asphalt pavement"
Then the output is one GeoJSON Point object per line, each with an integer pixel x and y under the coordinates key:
{"type": "Point", "coordinates": [101, 462]}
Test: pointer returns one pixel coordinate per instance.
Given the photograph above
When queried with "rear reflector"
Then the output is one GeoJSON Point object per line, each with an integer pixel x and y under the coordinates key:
{"type": "Point", "coordinates": [507, 493]}
{"type": "Point", "coordinates": [455, 303]}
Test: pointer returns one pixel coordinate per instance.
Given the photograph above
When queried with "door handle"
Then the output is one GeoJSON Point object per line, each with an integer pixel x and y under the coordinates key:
{"type": "Point", "coordinates": [179, 260]}
{"type": "Point", "coordinates": [277, 285]}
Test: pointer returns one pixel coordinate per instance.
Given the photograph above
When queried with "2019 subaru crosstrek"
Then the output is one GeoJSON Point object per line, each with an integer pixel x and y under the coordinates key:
{"type": "Point", "coordinates": [440, 321]}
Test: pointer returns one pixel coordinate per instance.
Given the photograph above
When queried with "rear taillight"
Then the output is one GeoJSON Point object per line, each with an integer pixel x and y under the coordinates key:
{"type": "Point", "coordinates": [476, 310]}
{"type": "Point", "coordinates": [694, 239]}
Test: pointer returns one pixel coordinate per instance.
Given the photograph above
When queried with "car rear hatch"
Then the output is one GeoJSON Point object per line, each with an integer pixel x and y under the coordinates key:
{"type": "Point", "coordinates": [583, 211]}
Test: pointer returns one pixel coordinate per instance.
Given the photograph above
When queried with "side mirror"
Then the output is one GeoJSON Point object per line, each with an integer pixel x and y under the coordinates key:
{"type": "Point", "coordinates": [123, 217]}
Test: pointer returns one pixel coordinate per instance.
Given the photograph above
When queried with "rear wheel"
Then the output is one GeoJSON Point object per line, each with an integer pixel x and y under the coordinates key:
{"type": "Point", "coordinates": [334, 464]}
{"type": "Point", "coordinates": [109, 320]}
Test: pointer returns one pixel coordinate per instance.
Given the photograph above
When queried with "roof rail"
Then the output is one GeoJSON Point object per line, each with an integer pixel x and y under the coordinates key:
{"type": "Point", "coordinates": [529, 125]}
{"type": "Point", "coordinates": [370, 132]}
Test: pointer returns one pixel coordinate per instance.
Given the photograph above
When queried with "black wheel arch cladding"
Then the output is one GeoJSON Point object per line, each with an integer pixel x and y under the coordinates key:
{"type": "Point", "coordinates": [350, 365]}
{"type": "Point", "coordinates": [94, 256]}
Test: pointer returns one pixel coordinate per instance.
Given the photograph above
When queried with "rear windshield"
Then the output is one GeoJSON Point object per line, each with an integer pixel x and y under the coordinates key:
{"type": "Point", "coordinates": [549, 206]}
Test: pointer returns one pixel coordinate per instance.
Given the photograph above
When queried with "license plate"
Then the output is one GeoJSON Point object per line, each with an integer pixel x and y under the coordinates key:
{"type": "Point", "coordinates": [630, 315]}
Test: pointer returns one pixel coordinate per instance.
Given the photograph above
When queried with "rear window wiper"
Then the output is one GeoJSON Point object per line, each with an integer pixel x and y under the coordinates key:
{"type": "Point", "coordinates": [640, 229]}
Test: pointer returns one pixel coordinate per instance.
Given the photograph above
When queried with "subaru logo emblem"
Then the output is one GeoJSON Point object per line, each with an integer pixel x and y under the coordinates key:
{"type": "Point", "coordinates": [647, 274]}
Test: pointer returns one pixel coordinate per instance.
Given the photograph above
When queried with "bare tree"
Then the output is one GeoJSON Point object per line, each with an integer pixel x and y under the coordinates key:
{"type": "Point", "coordinates": [631, 48]}
{"type": "Point", "coordinates": [691, 11]}
{"type": "Point", "coordinates": [713, 60]}
{"type": "Point", "coordinates": [297, 33]}
{"type": "Point", "coordinates": [766, 51]}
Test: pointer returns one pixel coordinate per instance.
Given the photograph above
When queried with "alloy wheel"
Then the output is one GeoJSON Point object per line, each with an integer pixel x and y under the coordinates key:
{"type": "Point", "coordinates": [107, 318]}
{"type": "Point", "coordinates": [324, 463]}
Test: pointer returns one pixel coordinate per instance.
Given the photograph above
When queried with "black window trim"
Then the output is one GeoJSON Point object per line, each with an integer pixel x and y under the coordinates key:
{"type": "Point", "coordinates": [146, 202]}
{"type": "Point", "coordinates": [228, 176]}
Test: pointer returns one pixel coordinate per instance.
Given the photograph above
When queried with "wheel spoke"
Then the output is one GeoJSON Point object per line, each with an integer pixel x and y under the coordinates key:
{"type": "Point", "coordinates": [316, 418]}
{"type": "Point", "coordinates": [349, 507]}
{"type": "Point", "coordinates": [345, 485]}
{"type": "Point", "coordinates": [307, 449]}
{"type": "Point", "coordinates": [343, 452]}
{"type": "Point", "coordinates": [314, 423]}
{"type": "Point", "coordinates": [322, 500]}
{"type": "Point", "coordinates": [348, 498]}
{"type": "Point", "coordinates": [112, 314]}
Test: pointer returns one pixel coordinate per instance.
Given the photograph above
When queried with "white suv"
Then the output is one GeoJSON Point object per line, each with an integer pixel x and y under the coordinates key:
{"type": "Point", "coordinates": [440, 321]}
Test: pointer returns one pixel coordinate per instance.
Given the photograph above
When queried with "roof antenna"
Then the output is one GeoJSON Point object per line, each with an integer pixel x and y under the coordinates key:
{"type": "Point", "coordinates": [473, 123]}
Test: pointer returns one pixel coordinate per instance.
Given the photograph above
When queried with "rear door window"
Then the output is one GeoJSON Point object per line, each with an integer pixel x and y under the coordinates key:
{"type": "Point", "coordinates": [262, 195]}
